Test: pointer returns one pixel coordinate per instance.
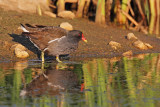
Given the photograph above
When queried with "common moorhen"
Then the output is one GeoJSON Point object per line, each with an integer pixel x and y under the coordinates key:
{"type": "Point", "coordinates": [53, 40]}
{"type": "Point", "coordinates": [52, 82]}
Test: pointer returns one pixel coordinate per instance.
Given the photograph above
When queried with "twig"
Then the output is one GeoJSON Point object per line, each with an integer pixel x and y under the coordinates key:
{"type": "Point", "coordinates": [130, 8]}
{"type": "Point", "coordinates": [140, 9]}
{"type": "Point", "coordinates": [52, 6]}
{"type": "Point", "coordinates": [134, 22]}
{"type": "Point", "coordinates": [129, 17]}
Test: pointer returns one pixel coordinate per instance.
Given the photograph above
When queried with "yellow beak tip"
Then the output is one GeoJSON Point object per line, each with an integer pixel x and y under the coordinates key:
{"type": "Point", "coordinates": [85, 41]}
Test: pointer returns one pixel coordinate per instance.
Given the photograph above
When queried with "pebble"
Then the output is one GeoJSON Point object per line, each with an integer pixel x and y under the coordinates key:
{"type": "Point", "coordinates": [19, 51]}
{"type": "Point", "coordinates": [21, 54]}
{"type": "Point", "coordinates": [66, 14]}
{"type": "Point", "coordinates": [131, 36]}
{"type": "Point", "coordinates": [66, 25]}
{"type": "Point", "coordinates": [140, 45]}
{"type": "Point", "coordinates": [50, 14]}
{"type": "Point", "coordinates": [115, 45]}
{"type": "Point", "coordinates": [143, 46]}
{"type": "Point", "coordinates": [148, 45]}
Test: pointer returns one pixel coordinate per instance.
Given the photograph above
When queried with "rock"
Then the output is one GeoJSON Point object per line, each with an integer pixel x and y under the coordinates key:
{"type": "Point", "coordinates": [66, 14]}
{"type": "Point", "coordinates": [48, 13]}
{"type": "Point", "coordinates": [148, 45]}
{"type": "Point", "coordinates": [131, 36]}
{"type": "Point", "coordinates": [143, 46]}
{"type": "Point", "coordinates": [66, 25]}
{"type": "Point", "coordinates": [115, 45]}
{"type": "Point", "coordinates": [18, 46]}
{"type": "Point", "coordinates": [21, 54]}
{"type": "Point", "coordinates": [128, 53]}
{"type": "Point", "coordinates": [19, 51]}
{"type": "Point", "coordinates": [139, 44]}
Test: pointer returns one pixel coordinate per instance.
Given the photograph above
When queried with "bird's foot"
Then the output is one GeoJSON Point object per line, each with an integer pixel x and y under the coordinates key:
{"type": "Point", "coordinates": [57, 58]}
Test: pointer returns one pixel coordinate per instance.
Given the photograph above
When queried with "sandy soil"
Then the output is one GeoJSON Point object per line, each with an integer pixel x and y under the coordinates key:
{"type": "Point", "coordinates": [98, 36]}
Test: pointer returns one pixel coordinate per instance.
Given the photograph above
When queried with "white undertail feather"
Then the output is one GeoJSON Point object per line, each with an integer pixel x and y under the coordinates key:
{"type": "Point", "coordinates": [24, 29]}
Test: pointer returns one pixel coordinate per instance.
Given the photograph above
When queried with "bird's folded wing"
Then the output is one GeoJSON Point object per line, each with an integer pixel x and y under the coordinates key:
{"type": "Point", "coordinates": [42, 36]}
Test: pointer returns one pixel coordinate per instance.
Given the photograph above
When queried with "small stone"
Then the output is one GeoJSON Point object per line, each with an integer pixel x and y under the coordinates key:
{"type": "Point", "coordinates": [66, 14]}
{"type": "Point", "coordinates": [131, 36]}
{"type": "Point", "coordinates": [66, 25]}
{"type": "Point", "coordinates": [19, 51]}
{"type": "Point", "coordinates": [148, 45]}
{"type": "Point", "coordinates": [139, 44]}
{"type": "Point", "coordinates": [115, 45]}
{"type": "Point", "coordinates": [128, 53]}
{"type": "Point", "coordinates": [18, 46]}
{"type": "Point", "coordinates": [21, 54]}
{"type": "Point", "coordinates": [50, 14]}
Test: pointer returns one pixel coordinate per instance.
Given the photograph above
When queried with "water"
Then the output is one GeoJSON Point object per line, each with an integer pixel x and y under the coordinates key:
{"type": "Point", "coordinates": [101, 82]}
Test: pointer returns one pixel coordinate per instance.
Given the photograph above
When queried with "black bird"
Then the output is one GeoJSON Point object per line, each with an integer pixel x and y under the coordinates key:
{"type": "Point", "coordinates": [53, 40]}
{"type": "Point", "coordinates": [53, 81]}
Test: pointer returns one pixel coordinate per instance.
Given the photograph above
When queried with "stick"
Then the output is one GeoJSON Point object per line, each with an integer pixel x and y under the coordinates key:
{"type": "Point", "coordinates": [129, 17]}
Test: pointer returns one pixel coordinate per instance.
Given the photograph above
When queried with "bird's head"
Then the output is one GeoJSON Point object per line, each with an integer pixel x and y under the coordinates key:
{"type": "Point", "coordinates": [78, 34]}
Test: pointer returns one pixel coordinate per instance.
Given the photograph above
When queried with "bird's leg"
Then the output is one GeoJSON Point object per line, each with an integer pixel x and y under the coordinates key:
{"type": "Point", "coordinates": [60, 65]}
{"type": "Point", "coordinates": [42, 56]}
{"type": "Point", "coordinates": [57, 58]}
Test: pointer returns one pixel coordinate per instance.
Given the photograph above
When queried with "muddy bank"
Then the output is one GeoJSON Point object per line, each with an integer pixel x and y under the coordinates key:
{"type": "Point", "coordinates": [98, 37]}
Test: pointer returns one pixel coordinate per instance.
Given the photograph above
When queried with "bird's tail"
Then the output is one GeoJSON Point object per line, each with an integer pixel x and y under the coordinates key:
{"type": "Point", "coordinates": [23, 28]}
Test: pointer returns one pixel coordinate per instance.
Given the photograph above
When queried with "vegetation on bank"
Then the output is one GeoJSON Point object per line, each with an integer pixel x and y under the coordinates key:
{"type": "Point", "coordinates": [140, 15]}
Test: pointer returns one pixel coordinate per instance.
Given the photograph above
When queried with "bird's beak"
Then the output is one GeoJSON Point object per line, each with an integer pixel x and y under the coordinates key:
{"type": "Point", "coordinates": [84, 39]}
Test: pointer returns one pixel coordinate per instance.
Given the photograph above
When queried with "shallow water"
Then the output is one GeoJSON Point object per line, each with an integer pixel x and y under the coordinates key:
{"type": "Point", "coordinates": [101, 82]}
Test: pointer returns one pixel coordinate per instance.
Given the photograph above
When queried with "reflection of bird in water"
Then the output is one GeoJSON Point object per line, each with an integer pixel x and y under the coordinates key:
{"type": "Point", "coordinates": [52, 82]}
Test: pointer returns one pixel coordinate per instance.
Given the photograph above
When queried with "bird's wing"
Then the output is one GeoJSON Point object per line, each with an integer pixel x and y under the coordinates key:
{"type": "Point", "coordinates": [42, 36]}
{"type": "Point", "coordinates": [34, 26]}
